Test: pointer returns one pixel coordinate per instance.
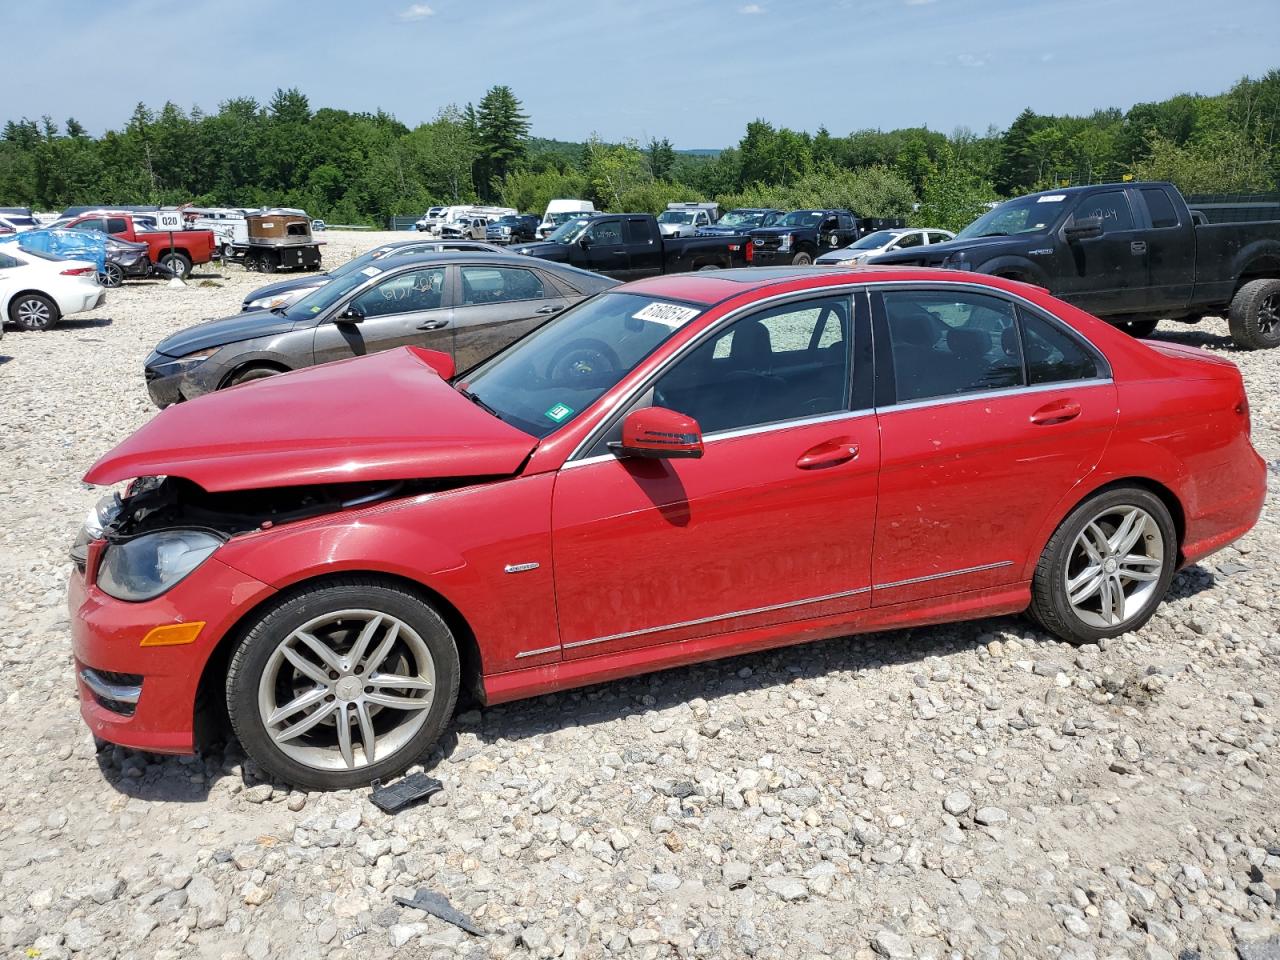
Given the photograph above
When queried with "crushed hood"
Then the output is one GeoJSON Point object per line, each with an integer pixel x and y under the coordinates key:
{"type": "Point", "coordinates": [388, 416]}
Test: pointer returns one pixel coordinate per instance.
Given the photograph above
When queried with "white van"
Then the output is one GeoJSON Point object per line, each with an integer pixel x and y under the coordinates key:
{"type": "Point", "coordinates": [558, 211]}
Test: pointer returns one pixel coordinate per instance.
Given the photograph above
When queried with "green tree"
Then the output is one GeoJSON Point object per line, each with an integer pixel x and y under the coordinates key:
{"type": "Point", "coordinates": [662, 158]}
{"type": "Point", "coordinates": [953, 196]}
{"type": "Point", "coordinates": [501, 132]}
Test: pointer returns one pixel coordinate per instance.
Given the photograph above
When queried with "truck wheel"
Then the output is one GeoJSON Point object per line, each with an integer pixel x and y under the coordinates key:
{"type": "Point", "coordinates": [1254, 317]}
{"type": "Point", "coordinates": [177, 264]}
{"type": "Point", "coordinates": [802, 259]}
{"type": "Point", "coordinates": [33, 311]}
{"type": "Point", "coordinates": [1137, 327]}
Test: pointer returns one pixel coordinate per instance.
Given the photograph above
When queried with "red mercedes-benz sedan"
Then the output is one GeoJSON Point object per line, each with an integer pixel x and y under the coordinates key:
{"type": "Point", "coordinates": [679, 469]}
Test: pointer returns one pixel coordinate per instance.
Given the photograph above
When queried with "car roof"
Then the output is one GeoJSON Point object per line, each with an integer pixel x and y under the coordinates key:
{"type": "Point", "coordinates": [487, 258]}
{"type": "Point", "coordinates": [710, 287]}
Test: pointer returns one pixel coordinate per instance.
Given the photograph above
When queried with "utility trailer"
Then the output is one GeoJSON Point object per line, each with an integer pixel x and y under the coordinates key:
{"type": "Point", "coordinates": [280, 241]}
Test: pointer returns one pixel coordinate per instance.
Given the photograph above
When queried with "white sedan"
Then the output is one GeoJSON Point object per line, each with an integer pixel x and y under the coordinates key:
{"type": "Point", "coordinates": [38, 289]}
{"type": "Point", "coordinates": [882, 241]}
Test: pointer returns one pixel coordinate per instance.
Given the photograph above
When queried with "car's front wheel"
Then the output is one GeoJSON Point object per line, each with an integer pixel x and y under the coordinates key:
{"type": "Point", "coordinates": [343, 683]}
{"type": "Point", "coordinates": [34, 311]}
{"type": "Point", "coordinates": [1107, 566]}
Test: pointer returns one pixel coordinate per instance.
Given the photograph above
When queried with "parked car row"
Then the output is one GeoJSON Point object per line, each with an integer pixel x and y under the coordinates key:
{"type": "Point", "coordinates": [317, 556]}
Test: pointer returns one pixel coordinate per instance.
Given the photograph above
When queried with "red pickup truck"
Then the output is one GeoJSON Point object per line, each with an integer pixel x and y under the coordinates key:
{"type": "Point", "coordinates": [176, 255]}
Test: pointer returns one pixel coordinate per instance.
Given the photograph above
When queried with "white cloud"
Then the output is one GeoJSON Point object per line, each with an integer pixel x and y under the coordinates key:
{"type": "Point", "coordinates": [971, 60]}
{"type": "Point", "coordinates": [751, 8]}
{"type": "Point", "coordinates": [416, 11]}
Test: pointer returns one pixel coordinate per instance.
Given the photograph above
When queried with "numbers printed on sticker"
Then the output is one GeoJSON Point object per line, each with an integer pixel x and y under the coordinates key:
{"type": "Point", "coordinates": [169, 221]}
{"type": "Point", "coordinates": [668, 314]}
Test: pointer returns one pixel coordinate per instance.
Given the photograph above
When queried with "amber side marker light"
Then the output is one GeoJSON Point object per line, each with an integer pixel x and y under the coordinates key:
{"type": "Point", "coordinates": [173, 634]}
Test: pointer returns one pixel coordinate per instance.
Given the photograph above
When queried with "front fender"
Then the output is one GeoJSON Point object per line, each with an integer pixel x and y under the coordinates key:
{"type": "Point", "coordinates": [1012, 265]}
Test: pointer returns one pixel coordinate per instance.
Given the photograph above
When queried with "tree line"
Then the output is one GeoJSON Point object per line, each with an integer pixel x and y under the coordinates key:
{"type": "Point", "coordinates": [361, 168]}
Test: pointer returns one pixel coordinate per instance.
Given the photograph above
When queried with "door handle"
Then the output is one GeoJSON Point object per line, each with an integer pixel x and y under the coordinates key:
{"type": "Point", "coordinates": [433, 324]}
{"type": "Point", "coordinates": [828, 454]}
{"type": "Point", "coordinates": [550, 309]}
{"type": "Point", "coordinates": [1137, 247]}
{"type": "Point", "coordinates": [1060, 411]}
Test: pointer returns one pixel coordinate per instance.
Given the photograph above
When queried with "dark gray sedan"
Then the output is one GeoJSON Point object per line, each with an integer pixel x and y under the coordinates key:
{"type": "Point", "coordinates": [467, 305]}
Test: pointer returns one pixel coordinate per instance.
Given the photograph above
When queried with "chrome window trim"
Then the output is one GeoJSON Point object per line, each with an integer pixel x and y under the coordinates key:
{"type": "Point", "coordinates": [767, 609]}
{"type": "Point", "coordinates": [844, 289]}
{"type": "Point", "coordinates": [989, 395]}
{"type": "Point", "coordinates": [745, 432]}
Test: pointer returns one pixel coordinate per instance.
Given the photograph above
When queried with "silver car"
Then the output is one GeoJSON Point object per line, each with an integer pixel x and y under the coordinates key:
{"type": "Point", "coordinates": [469, 306]}
{"type": "Point", "coordinates": [882, 241]}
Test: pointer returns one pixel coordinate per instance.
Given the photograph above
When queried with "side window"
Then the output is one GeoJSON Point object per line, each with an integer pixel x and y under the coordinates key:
{"type": "Point", "coordinates": [828, 224]}
{"type": "Point", "coordinates": [609, 231]}
{"type": "Point", "coordinates": [781, 364]}
{"type": "Point", "coordinates": [1053, 355]}
{"type": "Point", "coordinates": [1112, 207]}
{"type": "Point", "coordinates": [116, 225]}
{"type": "Point", "coordinates": [845, 221]}
{"type": "Point", "coordinates": [638, 231]}
{"type": "Point", "coordinates": [404, 293]}
{"type": "Point", "coordinates": [97, 224]}
{"type": "Point", "coordinates": [7, 262]}
{"type": "Point", "coordinates": [910, 240]}
{"type": "Point", "coordinates": [499, 285]}
{"type": "Point", "coordinates": [1160, 207]}
{"type": "Point", "coordinates": [949, 343]}
{"type": "Point", "coordinates": [938, 237]}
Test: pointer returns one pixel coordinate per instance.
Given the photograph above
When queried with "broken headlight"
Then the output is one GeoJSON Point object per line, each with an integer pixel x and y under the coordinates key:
{"type": "Point", "coordinates": [147, 566]}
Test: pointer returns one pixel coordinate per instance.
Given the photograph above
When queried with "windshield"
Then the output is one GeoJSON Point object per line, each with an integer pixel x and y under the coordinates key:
{"type": "Point", "coordinates": [742, 218]}
{"type": "Point", "coordinates": [547, 379]}
{"type": "Point", "coordinates": [873, 241]}
{"type": "Point", "coordinates": [377, 253]}
{"type": "Point", "coordinates": [1024, 215]}
{"type": "Point", "coordinates": [801, 218]}
{"type": "Point", "coordinates": [322, 298]}
{"type": "Point", "coordinates": [569, 231]}
{"type": "Point", "coordinates": [675, 216]}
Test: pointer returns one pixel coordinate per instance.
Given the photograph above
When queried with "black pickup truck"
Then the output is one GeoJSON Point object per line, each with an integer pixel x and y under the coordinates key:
{"type": "Point", "coordinates": [628, 246]}
{"type": "Point", "coordinates": [1131, 253]}
{"type": "Point", "coordinates": [802, 236]}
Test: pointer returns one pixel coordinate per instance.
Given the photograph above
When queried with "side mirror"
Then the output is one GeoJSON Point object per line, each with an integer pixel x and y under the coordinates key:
{"type": "Point", "coordinates": [351, 315]}
{"type": "Point", "coordinates": [1085, 228]}
{"type": "Point", "coordinates": [660, 434]}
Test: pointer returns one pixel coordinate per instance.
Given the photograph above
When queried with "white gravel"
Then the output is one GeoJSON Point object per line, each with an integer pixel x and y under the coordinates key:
{"type": "Point", "coordinates": [974, 791]}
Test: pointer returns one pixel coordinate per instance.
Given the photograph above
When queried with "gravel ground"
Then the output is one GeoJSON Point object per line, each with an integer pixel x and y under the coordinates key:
{"type": "Point", "coordinates": [975, 791]}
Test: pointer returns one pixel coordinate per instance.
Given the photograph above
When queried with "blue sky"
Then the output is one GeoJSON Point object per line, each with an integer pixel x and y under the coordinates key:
{"type": "Point", "coordinates": [695, 71]}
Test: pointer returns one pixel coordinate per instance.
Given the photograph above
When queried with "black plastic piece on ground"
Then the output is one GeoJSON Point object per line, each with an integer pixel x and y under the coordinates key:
{"type": "Point", "coordinates": [437, 904]}
{"type": "Point", "coordinates": [404, 793]}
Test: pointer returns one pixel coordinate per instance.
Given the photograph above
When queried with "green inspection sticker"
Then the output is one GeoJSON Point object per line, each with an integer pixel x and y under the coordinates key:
{"type": "Point", "coordinates": [558, 412]}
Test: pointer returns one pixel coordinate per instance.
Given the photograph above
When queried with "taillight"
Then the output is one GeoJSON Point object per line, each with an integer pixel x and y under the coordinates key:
{"type": "Point", "coordinates": [751, 251]}
{"type": "Point", "coordinates": [78, 271]}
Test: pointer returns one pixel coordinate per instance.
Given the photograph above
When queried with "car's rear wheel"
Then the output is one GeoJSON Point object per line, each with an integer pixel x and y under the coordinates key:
{"type": "Point", "coordinates": [802, 259]}
{"type": "Point", "coordinates": [343, 683]}
{"type": "Point", "coordinates": [1107, 566]}
{"type": "Point", "coordinates": [1254, 316]}
{"type": "Point", "coordinates": [112, 275]}
{"type": "Point", "coordinates": [177, 265]}
{"type": "Point", "coordinates": [33, 311]}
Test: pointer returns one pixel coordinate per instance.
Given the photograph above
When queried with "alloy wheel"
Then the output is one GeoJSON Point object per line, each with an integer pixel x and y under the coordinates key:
{"type": "Point", "coordinates": [1114, 566]}
{"type": "Point", "coordinates": [33, 314]}
{"type": "Point", "coordinates": [1269, 316]}
{"type": "Point", "coordinates": [346, 689]}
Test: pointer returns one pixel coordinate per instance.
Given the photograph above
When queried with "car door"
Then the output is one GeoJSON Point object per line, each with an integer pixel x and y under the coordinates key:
{"type": "Point", "coordinates": [10, 268]}
{"type": "Point", "coordinates": [1106, 274]}
{"type": "Point", "coordinates": [976, 450]}
{"type": "Point", "coordinates": [497, 305]}
{"type": "Point", "coordinates": [1171, 251]}
{"type": "Point", "coordinates": [846, 230]}
{"type": "Point", "coordinates": [773, 524]}
{"type": "Point", "coordinates": [645, 251]}
{"type": "Point", "coordinates": [405, 307]}
{"type": "Point", "coordinates": [607, 249]}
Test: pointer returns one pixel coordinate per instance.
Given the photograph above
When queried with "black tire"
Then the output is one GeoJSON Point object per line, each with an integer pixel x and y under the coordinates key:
{"type": "Point", "coordinates": [1137, 327]}
{"type": "Point", "coordinates": [112, 276]}
{"type": "Point", "coordinates": [253, 656]}
{"type": "Point", "coordinates": [249, 374]}
{"type": "Point", "coordinates": [802, 259]}
{"type": "Point", "coordinates": [1254, 316]}
{"type": "Point", "coordinates": [34, 312]}
{"type": "Point", "coordinates": [176, 264]}
{"type": "Point", "coordinates": [1050, 606]}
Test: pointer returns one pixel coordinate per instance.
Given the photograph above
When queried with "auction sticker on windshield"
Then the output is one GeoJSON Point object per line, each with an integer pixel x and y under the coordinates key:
{"type": "Point", "coordinates": [1051, 198]}
{"type": "Point", "coordinates": [559, 412]}
{"type": "Point", "coordinates": [371, 271]}
{"type": "Point", "coordinates": [668, 314]}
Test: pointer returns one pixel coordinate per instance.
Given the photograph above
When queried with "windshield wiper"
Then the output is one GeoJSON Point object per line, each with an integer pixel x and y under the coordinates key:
{"type": "Point", "coordinates": [279, 311]}
{"type": "Point", "coordinates": [479, 403]}
{"type": "Point", "coordinates": [994, 233]}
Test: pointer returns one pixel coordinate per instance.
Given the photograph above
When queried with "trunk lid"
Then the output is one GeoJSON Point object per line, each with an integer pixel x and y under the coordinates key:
{"type": "Point", "coordinates": [388, 416]}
